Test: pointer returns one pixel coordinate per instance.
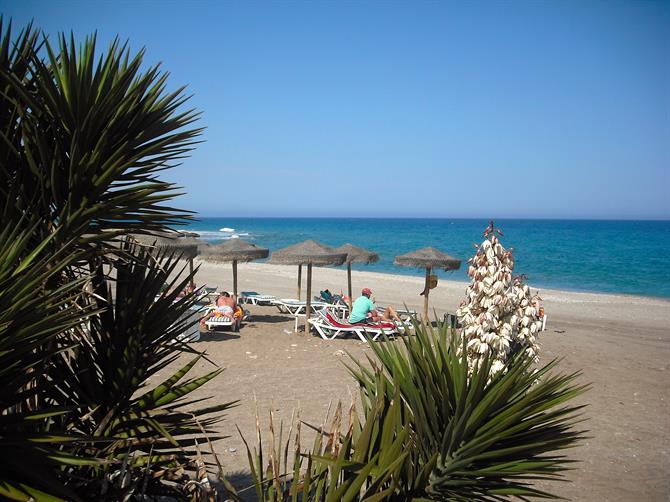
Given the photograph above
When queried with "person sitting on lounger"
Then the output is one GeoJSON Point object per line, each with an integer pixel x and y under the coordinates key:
{"type": "Point", "coordinates": [363, 310]}
{"type": "Point", "coordinates": [225, 307]}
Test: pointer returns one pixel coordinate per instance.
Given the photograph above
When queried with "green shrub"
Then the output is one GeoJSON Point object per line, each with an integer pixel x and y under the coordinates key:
{"type": "Point", "coordinates": [432, 431]}
{"type": "Point", "coordinates": [82, 141]}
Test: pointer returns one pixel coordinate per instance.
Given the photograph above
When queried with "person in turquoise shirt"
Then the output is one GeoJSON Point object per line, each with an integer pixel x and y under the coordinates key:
{"type": "Point", "coordinates": [364, 309]}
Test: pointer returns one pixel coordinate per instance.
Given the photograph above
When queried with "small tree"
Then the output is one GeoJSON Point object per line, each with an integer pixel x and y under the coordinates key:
{"type": "Point", "coordinates": [500, 316]}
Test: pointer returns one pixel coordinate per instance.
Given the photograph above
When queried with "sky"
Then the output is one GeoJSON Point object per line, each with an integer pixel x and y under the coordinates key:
{"type": "Point", "coordinates": [496, 109]}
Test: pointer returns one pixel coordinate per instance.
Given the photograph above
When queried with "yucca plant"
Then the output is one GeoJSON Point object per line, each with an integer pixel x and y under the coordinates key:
{"type": "Point", "coordinates": [433, 430]}
{"type": "Point", "coordinates": [481, 438]}
{"type": "Point", "coordinates": [499, 315]}
{"type": "Point", "coordinates": [356, 461]}
{"type": "Point", "coordinates": [83, 140]}
{"type": "Point", "coordinates": [35, 448]}
{"type": "Point", "coordinates": [139, 431]}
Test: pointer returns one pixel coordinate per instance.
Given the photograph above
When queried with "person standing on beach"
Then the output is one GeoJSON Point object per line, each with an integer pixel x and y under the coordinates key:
{"type": "Point", "coordinates": [364, 309]}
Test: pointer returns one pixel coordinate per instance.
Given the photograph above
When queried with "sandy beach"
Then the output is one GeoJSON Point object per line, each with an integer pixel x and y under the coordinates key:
{"type": "Point", "coordinates": [620, 343]}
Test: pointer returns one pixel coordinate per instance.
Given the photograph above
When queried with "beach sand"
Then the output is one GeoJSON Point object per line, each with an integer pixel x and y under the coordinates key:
{"type": "Point", "coordinates": [620, 343]}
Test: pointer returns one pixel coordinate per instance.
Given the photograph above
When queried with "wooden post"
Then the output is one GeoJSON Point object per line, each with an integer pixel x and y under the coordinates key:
{"type": "Point", "coordinates": [299, 279]}
{"type": "Point", "coordinates": [425, 300]}
{"type": "Point", "coordinates": [308, 306]}
{"type": "Point", "coordinates": [351, 300]}
{"type": "Point", "coordinates": [190, 269]}
{"type": "Point", "coordinates": [235, 280]}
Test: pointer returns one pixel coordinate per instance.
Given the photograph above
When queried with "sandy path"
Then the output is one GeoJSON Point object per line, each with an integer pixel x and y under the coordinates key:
{"type": "Point", "coordinates": [621, 343]}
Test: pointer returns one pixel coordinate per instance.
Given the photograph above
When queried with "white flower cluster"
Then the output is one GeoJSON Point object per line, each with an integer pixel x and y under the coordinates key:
{"type": "Point", "coordinates": [499, 313]}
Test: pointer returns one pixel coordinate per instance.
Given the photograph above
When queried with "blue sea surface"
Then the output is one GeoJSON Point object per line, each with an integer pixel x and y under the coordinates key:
{"type": "Point", "coordinates": [629, 257]}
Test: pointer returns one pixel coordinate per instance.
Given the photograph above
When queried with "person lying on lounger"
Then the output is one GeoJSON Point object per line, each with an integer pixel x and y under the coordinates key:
{"type": "Point", "coordinates": [225, 307]}
{"type": "Point", "coordinates": [364, 310]}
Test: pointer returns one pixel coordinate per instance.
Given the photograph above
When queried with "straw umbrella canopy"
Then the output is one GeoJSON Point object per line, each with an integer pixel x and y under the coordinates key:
{"type": "Point", "coordinates": [356, 254]}
{"type": "Point", "coordinates": [308, 253]}
{"type": "Point", "coordinates": [234, 251]}
{"type": "Point", "coordinates": [428, 258]}
{"type": "Point", "coordinates": [172, 241]}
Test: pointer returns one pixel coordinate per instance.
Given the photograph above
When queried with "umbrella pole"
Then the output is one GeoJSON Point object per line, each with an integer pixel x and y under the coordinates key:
{"type": "Point", "coordinates": [308, 306]}
{"type": "Point", "coordinates": [349, 281]}
{"type": "Point", "coordinates": [299, 279]}
{"type": "Point", "coordinates": [190, 269]}
{"type": "Point", "coordinates": [425, 299]}
{"type": "Point", "coordinates": [235, 279]}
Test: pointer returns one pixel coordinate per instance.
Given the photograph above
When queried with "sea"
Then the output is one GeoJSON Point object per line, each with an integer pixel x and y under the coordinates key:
{"type": "Point", "coordinates": [606, 256]}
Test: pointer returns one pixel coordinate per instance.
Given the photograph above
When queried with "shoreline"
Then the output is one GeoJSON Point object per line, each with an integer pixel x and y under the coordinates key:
{"type": "Point", "coordinates": [557, 295]}
{"type": "Point", "coordinates": [466, 282]}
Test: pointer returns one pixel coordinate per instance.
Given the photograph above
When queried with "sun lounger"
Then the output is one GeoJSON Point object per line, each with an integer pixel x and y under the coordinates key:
{"type": "Point", "coordinates": [297, 307]}
{"type": "Point", "coordinates": [329, 326]}
{"type": "Point", "coordinates": [253, 298]}
{"type": "Point", "coordinates": [404, 314]}
{"type": "Point", "coordinates": [222, 322]}
{"type": "Point", "coordinates": [218, 322]}
{"type": "Point", "coordinates": [209, 294]}
{"type": "Point", "coordinates": [328, 297]}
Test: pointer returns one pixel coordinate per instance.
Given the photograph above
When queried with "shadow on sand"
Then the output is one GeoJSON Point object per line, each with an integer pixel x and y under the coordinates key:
{"type": "Point", "coordinates": [269, 318]}
{"type": "Point", "coordinates": [217, 336]}
{"type": "Point", "coordinates": [242, 481]}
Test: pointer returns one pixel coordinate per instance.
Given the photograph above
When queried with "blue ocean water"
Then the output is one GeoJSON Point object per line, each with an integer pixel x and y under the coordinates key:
{"type": "Point", "coordinates": [629, 257]}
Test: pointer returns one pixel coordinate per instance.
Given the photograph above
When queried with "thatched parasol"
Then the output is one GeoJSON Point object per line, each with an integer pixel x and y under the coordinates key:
{"type": "Point", "coordinates": [428, 258]}
{"type": "Point", "coordinates": [233, 251]}
{"type": "Point", "coordinates": [307, 253]}
{"type": "Point", "coordinates": [172, 241]}
{"type": "Point", "coordinates": [356, 255]}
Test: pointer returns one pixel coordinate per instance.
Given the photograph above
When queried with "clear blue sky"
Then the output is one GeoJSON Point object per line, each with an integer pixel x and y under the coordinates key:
{"type": "Point", "coordinates": [387, 108]}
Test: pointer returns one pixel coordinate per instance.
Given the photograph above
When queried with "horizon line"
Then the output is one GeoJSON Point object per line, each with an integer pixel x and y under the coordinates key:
{"type": "Point", "coordinates": [549, 218]}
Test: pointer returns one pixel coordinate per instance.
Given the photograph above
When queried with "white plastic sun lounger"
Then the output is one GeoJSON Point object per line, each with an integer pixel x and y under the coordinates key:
{"type": "Point", "coordinates": [296, 307]}
{"type": "Point", "coordinates": [253, 298]}
{"type": "Point", "coordinates": [404, 314]}
{"type": "Point", "coordinates": [218, 322]}
{"type": "Point", "coordinates": [222, 322]}
{"type": "Point", "coordinates": [328, 326]}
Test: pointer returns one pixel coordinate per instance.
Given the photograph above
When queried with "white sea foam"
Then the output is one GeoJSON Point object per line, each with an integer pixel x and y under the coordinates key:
{"type": "Point", "coordinates": [226, 229]}
{"type": "Point", "coordinates": [234, 236]}
{"type": "Point", "coordinates": [211, 235]}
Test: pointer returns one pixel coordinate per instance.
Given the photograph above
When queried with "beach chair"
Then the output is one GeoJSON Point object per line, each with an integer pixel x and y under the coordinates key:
{"type": "Point", "coordinates": [405, 315]}
{"type": "Point", "coordinates": [298, 307]}
{"type": "Point", "coordinates": [209, 294]}
{"type": "Point", "coordinates": [294, 307]}
{"type": "Point", "coordinates": [219, 322]}
{"type": "Point", "coordinates": [329, 326]}
{"type": "Point", "coordinates": [254, 298]}
{"type": "Point", "coordinates": [328, 297]}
